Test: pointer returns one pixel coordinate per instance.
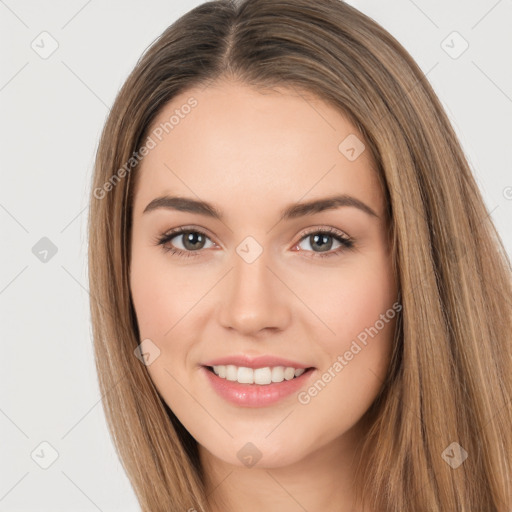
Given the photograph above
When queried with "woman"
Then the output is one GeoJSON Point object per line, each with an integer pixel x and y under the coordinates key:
{"type": "Point", "coordinates": [299, 300]}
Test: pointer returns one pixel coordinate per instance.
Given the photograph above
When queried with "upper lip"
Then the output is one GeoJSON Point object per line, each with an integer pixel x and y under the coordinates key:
{"type": "Point", "coordinates": [255, 362]}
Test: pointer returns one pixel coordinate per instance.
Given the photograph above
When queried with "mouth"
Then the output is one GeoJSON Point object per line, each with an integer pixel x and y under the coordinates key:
{"type": "Point", "coordinates": [257, 376]}
{"type": "Point", "coordinates": [258, 387]}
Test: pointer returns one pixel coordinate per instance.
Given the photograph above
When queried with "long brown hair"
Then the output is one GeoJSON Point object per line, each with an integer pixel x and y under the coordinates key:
{"type": "Point", "coordinates": [450, 380]}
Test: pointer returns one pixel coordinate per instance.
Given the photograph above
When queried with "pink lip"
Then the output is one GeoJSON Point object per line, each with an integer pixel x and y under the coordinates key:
{"type": "Point", "coordinates": [255, 395]}
{"type": "Point", "coordinates": [255, 362]}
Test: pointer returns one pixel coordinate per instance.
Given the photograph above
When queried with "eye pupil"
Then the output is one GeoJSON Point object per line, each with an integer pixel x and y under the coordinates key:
{"type": "Point", "coordinates": [190, 240]}
{"type": "Point", "coordinates": [321, 238]}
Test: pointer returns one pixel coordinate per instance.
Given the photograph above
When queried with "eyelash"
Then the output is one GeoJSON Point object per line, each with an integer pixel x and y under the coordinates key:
{"type": "Point", "coordinates": [346, 242]}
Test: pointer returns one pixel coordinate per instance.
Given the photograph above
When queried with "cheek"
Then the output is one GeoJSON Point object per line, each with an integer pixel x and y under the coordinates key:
{"type": "Point", "coordinates": [359, 307]}
{"type": "Point", "coordinates": [167, 301]}
{"type": "Point", "coordinates": [162, 296]}
{"type": "Point", "coordinates": [162, 293]}
{"type": "Point", "coordinates": [350, 299]}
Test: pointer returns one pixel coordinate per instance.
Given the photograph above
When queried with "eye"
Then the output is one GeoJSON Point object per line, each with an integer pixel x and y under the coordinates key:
{"type": "Point", "coordinates": [192, 240]}
{"type": "Point", "coordinates": [322, 239]}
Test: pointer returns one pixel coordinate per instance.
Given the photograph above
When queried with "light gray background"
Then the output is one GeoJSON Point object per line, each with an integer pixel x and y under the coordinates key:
{"type": "Point", "coordinates": [52, 111]}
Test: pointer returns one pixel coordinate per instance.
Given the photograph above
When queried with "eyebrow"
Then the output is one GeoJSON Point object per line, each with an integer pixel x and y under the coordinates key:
{"type": "Point", "coordinates": [293, 211]}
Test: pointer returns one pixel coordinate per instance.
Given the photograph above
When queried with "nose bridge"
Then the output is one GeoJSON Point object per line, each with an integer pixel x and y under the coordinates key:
{"type": "Point", "coordinates": [252, 300]}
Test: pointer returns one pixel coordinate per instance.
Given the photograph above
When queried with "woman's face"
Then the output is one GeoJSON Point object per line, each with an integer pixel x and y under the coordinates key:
{"type": "Point", "coordinates": [252, 282]}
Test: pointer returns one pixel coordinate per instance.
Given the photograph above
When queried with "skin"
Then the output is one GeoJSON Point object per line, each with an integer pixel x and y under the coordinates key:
{"type": "Point", "coordinates": [251, 153]}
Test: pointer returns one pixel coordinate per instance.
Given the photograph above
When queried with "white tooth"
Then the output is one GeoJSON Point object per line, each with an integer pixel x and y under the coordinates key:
{"type": "Point", "coordinates": [231, 372]}
{"type": "Point", "coordinates": [289, 373]}
{"type": "Point", "coordinates": [278, 374]}
{"type": "Point", "coordinates": [262, 376]}
{"type": "Point", "coordinates": [259, 376]}
{"type": "Point", "coordinates": [245, 375]}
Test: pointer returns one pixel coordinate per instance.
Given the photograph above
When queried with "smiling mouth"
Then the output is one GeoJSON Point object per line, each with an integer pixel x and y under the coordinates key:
{"type": "Point", "coordinates": [259, 376]}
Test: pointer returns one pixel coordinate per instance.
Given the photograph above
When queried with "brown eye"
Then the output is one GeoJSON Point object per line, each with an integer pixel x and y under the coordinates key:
{"type": "Point", "coordinates": [192, 240]}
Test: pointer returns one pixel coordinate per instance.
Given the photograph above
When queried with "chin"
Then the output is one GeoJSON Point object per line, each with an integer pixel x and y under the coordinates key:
{"type": "Point", "coordinates": [261, 454]}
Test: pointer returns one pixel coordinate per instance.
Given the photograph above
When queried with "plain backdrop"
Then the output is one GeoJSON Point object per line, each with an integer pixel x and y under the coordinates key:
{"type": "Point", "coordinates": [52, 111]}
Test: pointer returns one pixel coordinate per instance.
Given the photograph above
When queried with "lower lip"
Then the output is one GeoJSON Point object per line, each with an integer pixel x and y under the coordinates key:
{"type": "Point", "coordinates": [256, 395]}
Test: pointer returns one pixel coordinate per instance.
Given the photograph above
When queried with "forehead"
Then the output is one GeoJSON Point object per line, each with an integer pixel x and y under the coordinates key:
{"type": "Point", "coordinates": [229, 142]}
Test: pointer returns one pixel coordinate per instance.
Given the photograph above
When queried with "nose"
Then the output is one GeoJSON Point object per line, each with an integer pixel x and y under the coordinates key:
{"type": "Point", "coordinates": [253, 298]}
